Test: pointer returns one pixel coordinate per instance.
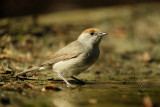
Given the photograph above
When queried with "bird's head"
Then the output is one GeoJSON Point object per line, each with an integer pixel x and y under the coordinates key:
{"type": "Point", "coordinates": [91, 36]}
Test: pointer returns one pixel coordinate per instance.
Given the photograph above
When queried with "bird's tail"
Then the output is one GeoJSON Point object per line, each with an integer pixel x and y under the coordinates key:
{"type": "Point", "coordinates": [27, 71]}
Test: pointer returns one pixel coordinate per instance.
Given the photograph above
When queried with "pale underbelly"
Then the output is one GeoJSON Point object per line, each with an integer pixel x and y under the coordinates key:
{"type": "Point", "coordinates": [71, 67]}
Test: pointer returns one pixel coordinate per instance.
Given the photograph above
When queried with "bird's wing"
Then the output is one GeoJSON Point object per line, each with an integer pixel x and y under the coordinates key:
{"type": "Point", "coordinates": [72, 50]}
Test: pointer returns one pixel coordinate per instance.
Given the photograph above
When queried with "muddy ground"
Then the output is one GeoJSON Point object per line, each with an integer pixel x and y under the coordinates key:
{"type": "Point", "coordinates": [127, 72]}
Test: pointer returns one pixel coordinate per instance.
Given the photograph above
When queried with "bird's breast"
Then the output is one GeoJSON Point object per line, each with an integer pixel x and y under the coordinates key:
{"type": "Point", "coordinates": [92, 56]}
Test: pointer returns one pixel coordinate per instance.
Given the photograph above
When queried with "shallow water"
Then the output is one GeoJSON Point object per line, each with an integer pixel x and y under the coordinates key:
{"type": "Point", "coordinates": [107, 94]}
{"type": "Point", "coordinates": [99, 94]}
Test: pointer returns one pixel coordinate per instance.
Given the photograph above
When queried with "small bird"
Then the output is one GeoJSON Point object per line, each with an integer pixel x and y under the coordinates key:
{"type": "Point", "coordinates": [74, 58]}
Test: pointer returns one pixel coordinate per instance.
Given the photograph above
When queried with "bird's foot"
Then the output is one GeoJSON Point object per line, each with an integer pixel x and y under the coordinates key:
{"type": "Point", "coordinates": [78, 81]}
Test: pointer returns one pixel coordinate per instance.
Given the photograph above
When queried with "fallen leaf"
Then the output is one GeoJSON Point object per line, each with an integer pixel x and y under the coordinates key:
{"type": "Point", "coordinates": [92, 101]}
{"type": "Point", "coordinates": [147, 102]}
{"type": "Point", "coordinates": [7, 85]}
{"type": "Point", "coordinates": [2, 72]}
{"type": "Point", "coordinates": [26, 85]}
{"type": "Point", "coordinates": [146, 56]}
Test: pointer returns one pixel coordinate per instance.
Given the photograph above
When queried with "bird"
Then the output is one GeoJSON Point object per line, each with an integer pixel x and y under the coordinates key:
{"type": "Point", "coordinates": [74, 58]}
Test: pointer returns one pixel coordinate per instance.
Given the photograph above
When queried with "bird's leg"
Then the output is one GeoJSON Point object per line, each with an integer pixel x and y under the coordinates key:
{"type": "Point", "coordinates": [68, 84]}
{"type": "Point", "coordinates": [81, 82]}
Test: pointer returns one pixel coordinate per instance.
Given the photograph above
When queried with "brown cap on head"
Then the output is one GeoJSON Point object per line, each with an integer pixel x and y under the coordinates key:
{"type": "Point", "coordinates": [91, 30]}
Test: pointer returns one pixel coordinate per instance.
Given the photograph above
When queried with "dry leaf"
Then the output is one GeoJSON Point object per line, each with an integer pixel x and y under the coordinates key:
{"type": "Point", "coordinates": [92, 101]}
{"type": "Point", "coordinates": [26, 85]}
{"type": "Point", "coordinates": [146, 56]}
{"type": "Point", "coordinates": [7, 85]}
{"type": "Point", "coordinates": [147, 102]}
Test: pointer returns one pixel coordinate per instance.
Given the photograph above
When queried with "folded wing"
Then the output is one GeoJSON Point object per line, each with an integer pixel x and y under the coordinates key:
{"type": "Point", "coordinates": [72, 50]}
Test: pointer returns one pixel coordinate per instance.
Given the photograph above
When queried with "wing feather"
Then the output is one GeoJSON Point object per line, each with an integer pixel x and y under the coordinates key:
{"type": "Point", "coordinates": [72, 50]}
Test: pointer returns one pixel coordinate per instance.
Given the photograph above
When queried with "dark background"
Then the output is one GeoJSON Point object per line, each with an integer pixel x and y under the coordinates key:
{"type": "Point", "coordinates": [28, 7]}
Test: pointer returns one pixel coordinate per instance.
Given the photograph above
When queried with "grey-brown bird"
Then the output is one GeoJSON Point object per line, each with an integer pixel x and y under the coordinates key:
{"type": "Point", "coordinates": [75, 58]}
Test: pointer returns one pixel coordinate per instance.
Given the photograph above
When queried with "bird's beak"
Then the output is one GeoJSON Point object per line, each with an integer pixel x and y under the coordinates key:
{"type": "Point", "coordinates": [102, 34]}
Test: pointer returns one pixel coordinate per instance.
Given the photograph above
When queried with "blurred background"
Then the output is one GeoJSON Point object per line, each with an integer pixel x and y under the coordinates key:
{"type": "Point", "coordinates": [127, 71]}
{"type": "Point", "coordinates": [28, 7]}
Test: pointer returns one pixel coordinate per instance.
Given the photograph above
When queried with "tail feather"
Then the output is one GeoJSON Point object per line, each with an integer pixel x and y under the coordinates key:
{"type": "Point", "coordinates": [27, 71]}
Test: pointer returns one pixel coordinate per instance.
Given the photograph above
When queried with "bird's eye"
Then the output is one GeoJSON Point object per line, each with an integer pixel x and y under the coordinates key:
{"type": "Point", "coordinates": [92, 33]}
